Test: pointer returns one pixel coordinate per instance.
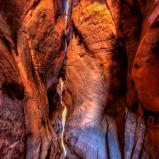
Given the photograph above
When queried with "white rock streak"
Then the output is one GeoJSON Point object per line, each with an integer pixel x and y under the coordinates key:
{"type": "Point", "coordinates": [67, 9]}
{"type": "Point", "coordinates": [60, 89]}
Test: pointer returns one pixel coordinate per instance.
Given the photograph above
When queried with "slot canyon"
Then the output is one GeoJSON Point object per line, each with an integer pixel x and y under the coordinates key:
{"type": "Point", "coordinates": [79, 79]}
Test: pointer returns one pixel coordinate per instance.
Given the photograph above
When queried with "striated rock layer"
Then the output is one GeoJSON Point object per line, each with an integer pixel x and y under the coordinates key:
{"type": "Point", "coordinates": [110, 77]}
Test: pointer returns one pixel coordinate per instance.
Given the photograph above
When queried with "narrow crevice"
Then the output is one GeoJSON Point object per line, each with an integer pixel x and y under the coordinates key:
{"type": "Point", "coordinates": [67, 10]}
{"type": "Point", "coordinates": [7, 43]}
{"type": "Point", "coordinates": [49, 151]}
{"type": "Point", "coordinates": [53, 99]}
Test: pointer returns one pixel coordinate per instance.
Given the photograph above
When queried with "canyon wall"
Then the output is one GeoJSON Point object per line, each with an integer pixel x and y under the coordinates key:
{"type": "Point", "coordinates": [79, 81]}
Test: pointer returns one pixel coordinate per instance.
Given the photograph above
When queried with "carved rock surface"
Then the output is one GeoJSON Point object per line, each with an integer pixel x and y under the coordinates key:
{"type": "Point", "coordinates": [110, 76]}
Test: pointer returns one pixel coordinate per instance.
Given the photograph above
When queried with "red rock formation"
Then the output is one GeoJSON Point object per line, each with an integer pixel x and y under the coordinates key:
{"type": "Point", "coordinates": [110, 79]}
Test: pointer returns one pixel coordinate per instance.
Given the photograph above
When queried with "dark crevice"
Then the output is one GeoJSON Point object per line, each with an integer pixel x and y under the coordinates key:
{"type": "Point", "coordinates": [6, 43]}
{"type": "Point", "coordinates": [106, 138]}
{"type": "Point", "coordinates": [133, 9]}
{"type": "Point", "coordinates": [57, 15]}
{"type": "Point", "coordinates": [50, 58]}
{"type": "Point", "coordinates": [155, 25]}
{"type": "Point", "coordinates": [9, 42]}
{"type": "Point", "coordinates": [134, 106]}
{"type": "Point", "coordinates": [129, 13]}
{"type": "Point", "coordinates": [53, 99]}
{"type": "Point", "coordinates": [136, 138]}
{"type": "Point", "coordinates": [151, 117]}
{"type": "Point", "coordinates": [13, 90]}
{"type": "Point", "coordinates": [119, 71]}
{"type": "Point", "coordinates": [36, 2]}
{"type": "Point", "coordinates": [49, 151]}
{"type": "Point", "coordinates": [155, 48]}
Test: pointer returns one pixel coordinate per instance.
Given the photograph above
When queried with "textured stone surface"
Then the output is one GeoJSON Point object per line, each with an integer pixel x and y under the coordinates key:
{"type": "Point", "coordinates": [110, 79]}
{"type": "Point", "coordinates": [11, 105]}
{"type": "Point", "coordinates": [146, 63]}
{"type": "Point", "coordinates": [93, 53]}
{"type": "Point", "coordinates": [25, 68]}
